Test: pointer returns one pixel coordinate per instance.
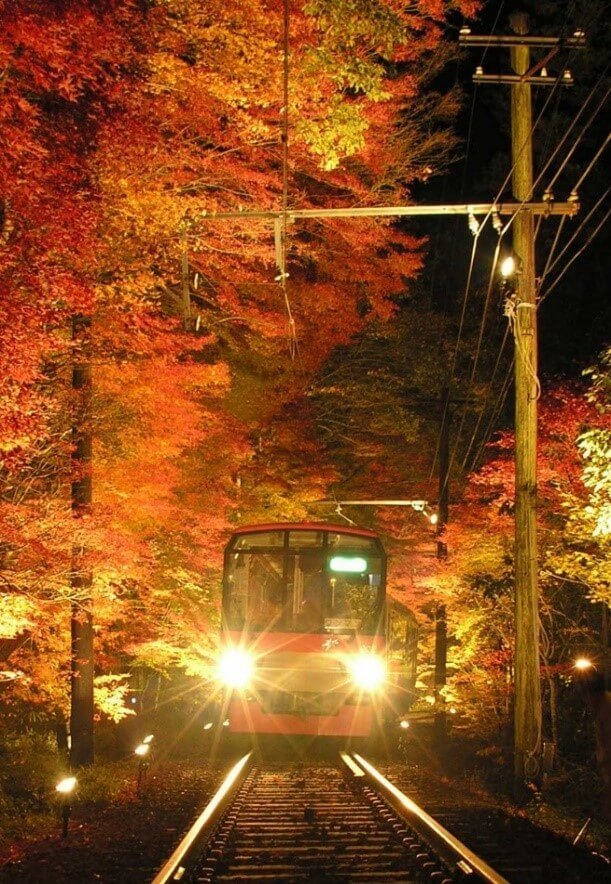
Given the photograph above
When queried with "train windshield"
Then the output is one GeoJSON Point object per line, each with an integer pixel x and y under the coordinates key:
{"type": "Point", "coordinates": [304, 581]}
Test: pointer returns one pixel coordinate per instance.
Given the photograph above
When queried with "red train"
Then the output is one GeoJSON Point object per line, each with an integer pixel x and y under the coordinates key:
{"type": "Point", "coordinates": [303, 636]}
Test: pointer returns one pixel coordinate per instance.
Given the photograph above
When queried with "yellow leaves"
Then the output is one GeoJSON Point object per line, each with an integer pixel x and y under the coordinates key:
{"type": "Point", "coordinates": [17, 615]}
{"type": "Point", "coordinates": [339, 133]}
{"type": "Point", "coordinates": [110, 696]}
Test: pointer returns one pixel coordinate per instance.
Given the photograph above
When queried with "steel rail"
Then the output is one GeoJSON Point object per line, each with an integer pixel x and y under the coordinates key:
{"type": "Point", "coordinates": [453, 851]}
{"type": "Point", "coordinates": [191, 847]}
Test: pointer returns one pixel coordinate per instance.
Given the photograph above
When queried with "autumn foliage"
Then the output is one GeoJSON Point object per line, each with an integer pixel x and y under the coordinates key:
{"type": "Point", "coordinates": [125, 126]}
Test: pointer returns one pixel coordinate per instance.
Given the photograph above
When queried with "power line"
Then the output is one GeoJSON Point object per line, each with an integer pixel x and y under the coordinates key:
{"type": "Point", "coordinates": [576, 255]}
{"type": "Point", "coordinates": [510, 222]}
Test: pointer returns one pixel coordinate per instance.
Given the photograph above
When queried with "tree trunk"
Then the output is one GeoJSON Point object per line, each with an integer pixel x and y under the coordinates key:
{"type": "Point", "coordinates": [81, 624]}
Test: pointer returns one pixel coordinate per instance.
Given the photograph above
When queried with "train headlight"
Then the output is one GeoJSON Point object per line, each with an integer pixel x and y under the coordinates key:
{"type": "Point", "coordinates": [368, 672]}
{"type": "Point", "coordinates": [235, 668]}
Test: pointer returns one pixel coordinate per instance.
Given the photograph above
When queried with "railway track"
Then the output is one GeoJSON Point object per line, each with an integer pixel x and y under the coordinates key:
{"type": "Point", "coordinates": [311, 822]}
{"type": "Point", "coordinates": [513, 845]}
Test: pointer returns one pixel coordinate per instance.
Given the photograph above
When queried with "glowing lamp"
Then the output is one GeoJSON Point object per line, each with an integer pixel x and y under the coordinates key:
{"type": "Point", "coordinates": [368, 672]}
{"type": "Point", "coordinates": [66, 786]}
{"type": "Point", "coordinates": [142, 749]}
{"type": "Point", "coordinates": [508, 267]}
{"type": "Point", "coordinates": [235, 668]}
{"type": "Point", "coordinates": [208, 725]}
{"type": "Point", "coordinates": [149, 739]}
{"type": "Point", "coordinates": [404, 724]}
{"type": "Point", "coordinates": [582, 664]}
{"type": "Point", "coordinates": [348, 564]}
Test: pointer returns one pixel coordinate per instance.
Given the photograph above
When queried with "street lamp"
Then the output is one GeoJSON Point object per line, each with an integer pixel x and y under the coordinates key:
{"type": "Point", "coordinates": [507, 267]}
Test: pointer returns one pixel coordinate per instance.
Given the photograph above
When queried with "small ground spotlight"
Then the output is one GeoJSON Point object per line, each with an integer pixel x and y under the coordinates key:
{"type": "Point", "coordinates": [142, 751]}
{"type": "Point", "coordinates": [65, 788]}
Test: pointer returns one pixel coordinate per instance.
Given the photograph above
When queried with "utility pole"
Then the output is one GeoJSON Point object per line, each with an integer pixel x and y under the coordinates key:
{"type": "Point", "coordinates": [527, 706]}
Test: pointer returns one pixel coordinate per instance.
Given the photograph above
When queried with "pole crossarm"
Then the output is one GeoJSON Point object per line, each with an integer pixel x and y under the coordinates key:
{"type": "Point", "coordinates": [510, 79]}
{"type": "Point", "coordinates": [577, 41]}
{"type": "Point", "coordinates": [540, 208]}
{"type": "Point", "coordinates": [417, 505]}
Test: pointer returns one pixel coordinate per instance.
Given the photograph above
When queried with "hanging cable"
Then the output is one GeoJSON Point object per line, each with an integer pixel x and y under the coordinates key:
{"type": "Point", "coordinates": [486, 398]}
{"type": "Point", "coordinates": [576, 255]}
{"type": "Point", "coordinates": [578, 139]}
{"type": "Point", "coordinates": [592, 162]}
{"type": "Point", "coordinates": [552, 251]}
{"type": "Point", "coordinates": [476, 234]}
{"type": "Point", "coordinates": [509, 224]}
{"type": "Point", "coordinates": [550, 266]}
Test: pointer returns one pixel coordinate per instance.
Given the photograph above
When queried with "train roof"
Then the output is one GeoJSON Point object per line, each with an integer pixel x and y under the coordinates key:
{"type": "Point", "coordinates": [305, 526]}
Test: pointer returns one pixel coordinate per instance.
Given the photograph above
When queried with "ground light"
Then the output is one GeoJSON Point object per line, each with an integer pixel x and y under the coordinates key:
{"type": "Point", "coordinates": [141, 752]}
{"type": "Point", "coordinates": [65, 788]}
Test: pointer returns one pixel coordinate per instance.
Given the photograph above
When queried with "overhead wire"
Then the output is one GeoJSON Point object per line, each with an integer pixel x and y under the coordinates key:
{"type": "Point", "coordinates": [577, 254]}
{"type": "Point", "coordinates": [509, 224]}
{"type": "Point", "coordinates": [502, 231]}
{"type": "Point", "coordinates": [444, 415]}
{"type": "Point", "coordinates": [550, 265]}
{"type": "Point", "coordinates": [548, 268]}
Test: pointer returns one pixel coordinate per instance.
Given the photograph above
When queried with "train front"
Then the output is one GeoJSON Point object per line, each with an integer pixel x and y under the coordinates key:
{"type": "Point", "coordinates": [303, 630]}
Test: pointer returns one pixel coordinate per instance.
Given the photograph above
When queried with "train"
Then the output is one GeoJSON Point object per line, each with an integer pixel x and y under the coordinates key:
{"type": "Point", "coordinates": [307, 641]}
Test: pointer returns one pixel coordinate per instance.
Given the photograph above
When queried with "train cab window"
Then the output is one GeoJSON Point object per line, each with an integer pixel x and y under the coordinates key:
{"type": "Point", "coordinates": [303, 581]}
{"type": "Point", "coordinates": [260, 540]}
{"type": "Point", "coordinates": [305, 539]}
{"type": "Point", "coordinates": [307, 584]}
{"type": "Point", "coordinates": [354, 595]}
{"type": "Point", "coordinates": [353, 541]}
{"type": "Point", "coordinates": [256, 591]}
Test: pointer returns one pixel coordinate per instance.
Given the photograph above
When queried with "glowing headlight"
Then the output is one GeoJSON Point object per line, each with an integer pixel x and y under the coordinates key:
{"type": "Point", "coordinates": [235, 668]}
{"type": "Point", "coordinates": [368, 672]}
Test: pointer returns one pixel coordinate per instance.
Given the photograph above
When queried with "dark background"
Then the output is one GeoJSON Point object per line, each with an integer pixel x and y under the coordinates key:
{"type": "Point", "coordinates": [575, 320]}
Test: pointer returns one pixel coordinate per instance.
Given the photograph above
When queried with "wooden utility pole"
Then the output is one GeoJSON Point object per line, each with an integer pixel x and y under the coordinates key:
{"type": "Point", "coordinates": [527, 706]}
{"type": "Point", "coordinates": [81, 620]}
{"type": "Point", "coordinates": [523, 314]}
